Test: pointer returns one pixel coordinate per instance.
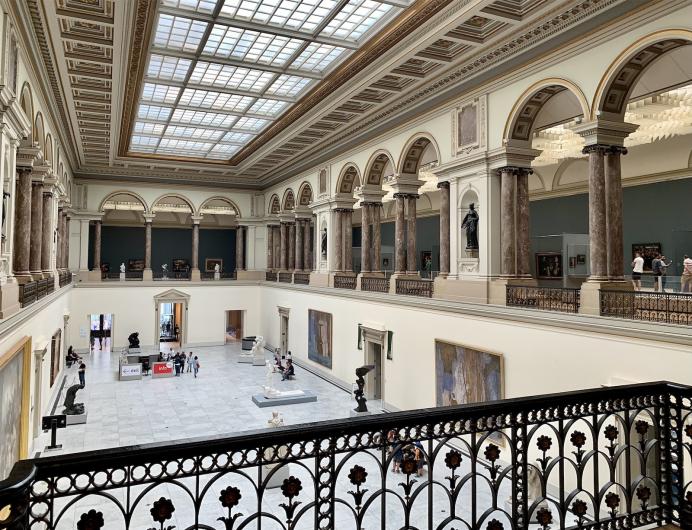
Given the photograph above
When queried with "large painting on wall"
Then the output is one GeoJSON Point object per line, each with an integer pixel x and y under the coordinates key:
{"type": "Point", "coordinates": [14, 390]}
{"type": "Point", "coordinates": [56, 360]}
{"type": "Point", "coordinates": [649, 251]}
{"type": "Point", "coordinates": [466, 375]}
{"type": "Point", "coordinates": [320, 337]}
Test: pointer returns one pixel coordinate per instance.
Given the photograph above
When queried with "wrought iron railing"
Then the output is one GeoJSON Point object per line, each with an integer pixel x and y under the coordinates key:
{"type": "Point", "coordinates": [270, 276]}
{"type": "Point", "coordinates": [134, 275]}
{"type": "Point", "coordinates": [50, 288]}
{"type": "Point", "coordinates": [64, 278]}
{"type": "Point", "coordinates": [41, 288]}
{"type": "Point", "coordinates": [548, 298]}
{"type": "Point", "coordinates": [171, 275]}
{"type": "Point", "coordinates": [345, 281]}
{"type": "Point", "coordinates": [670, 308]}
{"type": "Point", "coordinates": [374, 285]}
{"type": "Point", "coordinates": [608, 458]}
{"type": "Point", "coordinates": [301, 278]}
{"type": "Point", "coordinates": [28, 293]}
{"type": "Point", "coordinates": [207, 276]}
{"type": "Point", "coordinates": [415, 287]}
{"type": "Point", "coordinates": [110, 275]}
{"type": "Point", "coordinates": [286, 277]}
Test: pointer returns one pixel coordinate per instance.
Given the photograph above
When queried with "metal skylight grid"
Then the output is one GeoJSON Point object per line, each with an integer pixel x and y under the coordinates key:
{"type": "Point", "coordinates": [243, 63]}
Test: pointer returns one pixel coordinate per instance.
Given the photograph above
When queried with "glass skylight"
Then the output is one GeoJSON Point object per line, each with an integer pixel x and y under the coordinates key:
{"type": "Point", "coordinates": [221, 71]}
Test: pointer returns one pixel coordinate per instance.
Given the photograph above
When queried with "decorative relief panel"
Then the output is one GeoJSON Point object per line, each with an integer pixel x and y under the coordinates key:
{"type": "Point", "coordinates": [469, 126]}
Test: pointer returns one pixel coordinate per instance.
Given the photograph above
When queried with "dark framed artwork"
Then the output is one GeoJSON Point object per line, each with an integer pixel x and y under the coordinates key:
{"type": "Point", "coordinates": [648, 252]}
{"type": "Point", "coordinates": [426, 260]}
{"type": "Point", "coordinates": [573, 262]}
{"type": "Point", "coordinates": [180, 265]}
{"type": "Point", "coordinates": [210, 263]}
{"type": "Point", "coordinates": [549, 265]}
{"type": "Point", "coordinates": [105, 267]}
{"type": "Point", "coordinates": [581, 259]}
{"type": "Point", "coordinates": [320, 337]}
{"type": "Point", "coordinates": [135, 264]}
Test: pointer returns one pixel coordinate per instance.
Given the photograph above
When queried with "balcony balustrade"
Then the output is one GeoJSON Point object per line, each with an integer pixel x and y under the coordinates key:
{"type": "Point", "coordinates": [547, 298]}
{"type": "Point", "coordinates": [345, 281]}
{"type": "Point", "coordinates": [669, 308]}
{"type": "Point", "coordinates": [28, 293]}
{"type": "Point", "coordinates": [270, 276]}
{"type": "Point", "coordinates": [285, 277]}
{"type": "Point", "coordinates": [374, 285]}
{"type": "Point", "coordinates": [301, 278]}
{"type": "Point", "coordinates": [415, 287]}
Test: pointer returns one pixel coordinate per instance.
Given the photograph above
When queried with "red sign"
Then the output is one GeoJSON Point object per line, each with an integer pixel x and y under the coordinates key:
{"type": "Point", "coordinates": [163, 368]}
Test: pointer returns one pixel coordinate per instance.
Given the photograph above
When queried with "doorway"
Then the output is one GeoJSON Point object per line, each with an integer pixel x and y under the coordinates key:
{"type": "Point", "coordinates": [234, 326]}
{"type": "Point", "coordinates": [373, 381]}
{"type": "Point", "coordinates": [170, 324]}
{"type": "Point", "coordinates": [283, 328]}
{"type": "Point", "coordinates": [37, 402]}
{"type": "Point", "coordinates": [100, 333]}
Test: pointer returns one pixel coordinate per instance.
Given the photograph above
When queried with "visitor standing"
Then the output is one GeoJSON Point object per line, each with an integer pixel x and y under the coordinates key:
{"type": "Point", "coordinates": [82, 374]}
{"type": "Point", "coordinates": [686, 278]}
{"type": "Point", "coordinates": [176, 363]}
{"type": "Point", "coordinates": [195, 366]}
{"type": "Point", "coordinates": [664, 271]}
{"type": "Point", "coordinates": [657, 269]}
{"type": "Point", "coordinates": [190, 363]}
{"type": "Point", "coordinates": [637, 270]}
{"type": "Point", "coordinates": [183, 358]}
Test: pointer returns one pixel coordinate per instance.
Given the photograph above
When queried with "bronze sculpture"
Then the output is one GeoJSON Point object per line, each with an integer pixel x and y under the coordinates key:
{"type": "Point", "coordinates": [72, 408]}
{"type": "Point", "coordinates": [133, 339]}
{"type": "Point", "coordinates": [470, 223]}
{"type": "Point", "coordinates": [359, 393]}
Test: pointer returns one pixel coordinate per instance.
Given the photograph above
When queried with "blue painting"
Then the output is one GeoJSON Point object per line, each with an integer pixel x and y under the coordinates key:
{"type": "Point", "coordinates": [320, 337]}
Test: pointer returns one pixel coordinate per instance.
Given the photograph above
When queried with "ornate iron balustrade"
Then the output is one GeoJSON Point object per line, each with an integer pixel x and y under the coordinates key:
{"type": "Point", "coordinates": [110, 275]}
{"type": "Point", "coordinates": [608, 458]}
{"type": "Point", "coordinates": [670, 308]}
{"type": "Point", "coordinates": [134, 275]}
{"type": "Point", "coordinates": [204, 275]}
{"type": "Point", "coordinates": [374, 285]}
{"type": "Point", "coordinates": [345, 282]}
{"type": "Point", "coordinates": [28, 293]}
{"type": "Point", "coordinates": [50, 288]}
{"type": "Point", "coordinates": [548, 298]}
{"type": "Point", "coordinates": [41, 288]}
{"type": "Point", "coordinates": [271, 276]}
{"type": "Point", "coordinates": [415, 287]}
{"type": "Point", "coordinates": [171, 275]}
{"type": "Point", "coordinates": [229, 275]}
{"type": "Point", "coordinates": [286, 277]}
{"type": "Point", "coordinates": [64, 278]}
{"type": "Point", "coordinates": [301, 278]}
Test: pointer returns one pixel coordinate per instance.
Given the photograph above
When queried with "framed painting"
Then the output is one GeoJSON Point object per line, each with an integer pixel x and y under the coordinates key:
{"type": "Point", "coordinates": [15, 367]}
{"type": "Point", "coordinates": [56, 360]}
{"type": "Point", "coordinates": [320, 337]}
{"type": "Point", "coordinates": [180, 265]}
{"type": "Point", "coordinates": [549, 265]}
{"type": "Point", "coordinates": [210, 263]}
{"type": "Point", "coordinates": [648, 251]}
{"type": "Point", "coordinates": [581, 259]}
{"type": "Point", "coordinates": [135, 265]}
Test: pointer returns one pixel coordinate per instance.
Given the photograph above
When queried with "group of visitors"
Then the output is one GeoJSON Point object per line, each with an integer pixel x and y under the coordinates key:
{"type": "Point", "coordinates": [659, 268]}
{"type": "Point", "coordinates": [400, 451]}
{"type": "Point", "coordinates": [181, 360]}
{"type": "Point", "coordinates": [288, 371]}
{"type": "Point", "coordinates": [73, 358]}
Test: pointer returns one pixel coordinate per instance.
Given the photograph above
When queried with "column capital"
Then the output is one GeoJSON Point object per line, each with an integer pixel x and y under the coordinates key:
{"type": "Point", "coordinates": [371, 203]}
{"type": "Point", "coordinates": [196, 219]}
{"type": "Point", "coordinates": [515, 170]}
{"type": "Point", "coordinates": [149, 218]}
{"type": "Point", "coordinates": [605, 132]}
{"type": "Point", "coordinates": [596, 148]}
{"type": "Point", "coordinates": [444, 184]}
{"type": "Point", "coordinates": [403, 195]}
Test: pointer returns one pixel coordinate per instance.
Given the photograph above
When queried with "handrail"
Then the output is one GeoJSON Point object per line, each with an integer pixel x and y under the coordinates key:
{"type": "Point", "coordinates": [562, 299]}
{"type": "Point", "coordinates": [669, 308]}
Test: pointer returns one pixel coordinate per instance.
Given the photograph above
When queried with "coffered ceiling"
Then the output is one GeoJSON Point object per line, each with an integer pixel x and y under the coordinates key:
{"type": "Point", "coordinates": [244, 93]}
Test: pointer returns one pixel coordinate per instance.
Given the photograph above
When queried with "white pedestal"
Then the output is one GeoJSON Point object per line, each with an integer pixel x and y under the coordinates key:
{"type": "Point", "coordinates": [76, 419]}
{"type": "Point", "coordinates": [122, 276]}
{"type": "Point", "coordinates": [246, 359]}
{"type": "Point", "coordinates": [217, 275]}
{"type": "Point", "coordinates": [277, 479]}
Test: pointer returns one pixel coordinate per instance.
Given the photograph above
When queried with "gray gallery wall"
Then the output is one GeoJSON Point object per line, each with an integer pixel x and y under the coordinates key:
{"type": "Point", "coordinates": [119, 244]}
{"type": "Point", "coordinates": [652, 213]}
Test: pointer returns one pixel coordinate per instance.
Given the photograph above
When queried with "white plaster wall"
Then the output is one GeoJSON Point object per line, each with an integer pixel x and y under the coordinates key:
{"type": "Point", "coordinates": [133, 310]}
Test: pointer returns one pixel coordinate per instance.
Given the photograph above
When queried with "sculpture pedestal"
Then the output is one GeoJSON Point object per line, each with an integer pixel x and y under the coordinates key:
{"type": "Point", "coordinates": [356, 414]}
{"type": "Point", "coordinates": [122, 277]}
{"type": "Point", "coordinates": [217, 275]}
{"type": "Point", "coordinates": [261, 401]}
{"type": "Point", "coordinates": [246, 359]}
{"type": "Point", "coordinates": [76, 419]}
{"type": "Point", "coordinates": [277, 479]}
{"type": "Point", "coordinates": [258, 360]}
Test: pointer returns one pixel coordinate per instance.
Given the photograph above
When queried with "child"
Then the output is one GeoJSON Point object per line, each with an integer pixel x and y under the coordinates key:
{"type": "Point", "coordinates": [195, 366]}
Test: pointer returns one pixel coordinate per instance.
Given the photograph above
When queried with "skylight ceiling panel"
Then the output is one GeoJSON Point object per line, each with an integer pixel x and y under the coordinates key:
{"type": "Point", "coordinates": [250, 124]}
{"type": "Point", "coordinates": [288, 85]}
{"type": "Point", "coordinates": [153, 112]}
{"type": "Point", "coordinates": [207, 119]}
{"type": "Point", "coordinates": [143, 141]}
{"type": "Point", "coordinates": [179, 33]}
{"type": "Point", "coordinates": [188, 145]}
{"type": "Point", "coordinates": [231, 77]}
{"type": "Point", "coordinates": [149, 128]}
{"type": "Point", "coordinates": [268, 107]}
{"type": "Point", "coordinates": [299, 15]}
{"type": "Point", "coordinates": [250, 46]}
{"type": "Point", "coordinates": [215, 100]}
{"type": "Point", "coordinates": [237, 137]}
{"type": "Point", "coordinates": [193, 133]}
{"type": "Point", "coordinates": [222, 151]}
{"type": "Point", "coordinates": [201, 6]}
{"type": "Point", "coordinates": [158, 93]}
{"type": "Point", "coordinates": [168, 68]}
{"type": "Point", "coordinates": [317, 57]}
{"type": "Point", "coordinates": [355, 19]}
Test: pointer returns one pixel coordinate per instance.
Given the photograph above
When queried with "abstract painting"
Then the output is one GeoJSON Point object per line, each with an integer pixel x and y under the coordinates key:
{"type": "Point", "coordinates": [320, 337]}
{"type": "Point", "coordinates": [12, 391]}
{"type": "Point", "coordinates": [465, 375]}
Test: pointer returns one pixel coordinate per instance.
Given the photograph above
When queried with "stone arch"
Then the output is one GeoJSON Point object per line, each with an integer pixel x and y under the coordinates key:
{"type": "Point", "coordinates": [26, 102]}
{"type": "Point", "coordinates": [132, 194]}
{"type": "Point", "coordinates": [289, 201]}
{"type": "Point", "coordinates": [413, 151]}
{"type": "Point", "coordinates": [208, 202]}
{"type": "Point", "coordinates": [522, 118]}
{"type": "Point", "coordinates": [274, 205]}
{"type": "Point", "coordinates": [305, 195]}
{"type": "Point", "coordinates": [349, 179]}
{"type": "Point", "coordinates": [48, 151]}
{"type": "Point", "coordinates": [374, 169]}
{"type": "Point", "coordinates": [159, 201]}
{"type": "Point", "coordinates": [39, 131]}
{"type": "Point", "coordinates": [614, 89]}
{"type": "Point", "coordinates": [568, 167]}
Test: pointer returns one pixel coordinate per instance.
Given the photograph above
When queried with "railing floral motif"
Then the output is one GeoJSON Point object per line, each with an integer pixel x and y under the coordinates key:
{"type": "Point", "coordinates": [670, 308]}
{"type": "Point", "coordinates": [374, 285]}
{"type": "Point", "coordinates": [607, 458]}
{"type": "Point", "coordinates": [345, 281]}
{"type": "Point", "coordinates": [415, 287]}
{"type": "Point", "coordinates": [548, 298]}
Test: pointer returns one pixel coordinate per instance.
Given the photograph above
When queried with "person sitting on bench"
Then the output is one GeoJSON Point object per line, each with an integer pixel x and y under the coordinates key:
{"type": "Point", "coordinates": [289, 371]}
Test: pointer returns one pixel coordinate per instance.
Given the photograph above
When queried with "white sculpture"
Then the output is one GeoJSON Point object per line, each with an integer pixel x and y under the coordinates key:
{"type": "Point", "coordinates": [276, 420]}
{"type": "Point", "coordinates": [217, 268]}
{"type": "Point", "coordinates": [282, 473]}
{"type": "Point", "coordinates": [122, 268]}
{"type": "Point", "coordinates": [269, 390]}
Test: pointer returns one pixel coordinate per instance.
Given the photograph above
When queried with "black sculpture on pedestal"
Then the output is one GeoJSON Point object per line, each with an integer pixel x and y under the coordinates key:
{"type": "Point", "coordinates": [72, 408]}
{"type": "Point", "coordinates": [133, 339]}
{"type": "Point", "coordinates": [359, 393]}
{"type": "Point", "coordinates": [470, 223]}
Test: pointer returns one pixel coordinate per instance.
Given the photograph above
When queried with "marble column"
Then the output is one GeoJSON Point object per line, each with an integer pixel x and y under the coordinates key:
{"type": "Point", "coordinates": [58, 239]}
{"type": "Point", "coordinates": [22, 224]}
{"type": "Point", "coordinates": [376, 236]}
{"type": "Point", "coordinates": [291, 246]}
{"type": "Point", "coordinates": [97, 246]}
{"type": "Point", "coordinates": [523, 245]}
{"type": "Point", "coordinates": [277, 247]}
{"type": "Point", "coordinates": [306, 245]}
{"type": "Point", "coordinates": [411, 235]}
{"type": "Point", "coordinates": [36, 229]}
{"type": "Point", "coordinates": [338, 241]}
{"type": "Point", "coordinates": [270, 247]}
{"type": "Point", "coordinates": [47, 233]}
{"type": "Point", "coordinates": [598, 243]}
{"type": "Point", "coordinates": [147, 245]}
{"type": "Point", "coordinates": [365, 245]}
{"type": "Point", "coordinates": [444, 228]}
{"type": "Point", "coordinates": [348, 240]}
{"type": "Point", "coordinates": [299, 244]}
{"type": "Point", "coordinates": [508, 218]}
{"type": "Point", "coordinates": [613, 199]}
{"type": "Point", "coordinates": [284, 244]}
{"type": "Point", "coordinates": [239, 249]}
{"type": "Point", "coordinates": [399, 248]}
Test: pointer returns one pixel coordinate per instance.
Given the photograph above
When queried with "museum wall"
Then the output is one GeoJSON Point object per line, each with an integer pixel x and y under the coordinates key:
{"type": "Point", "coordinates": [652, 213]}
{"type": "Point", "coordinates": [133, 309]}
{"type": "Point", "coordinates": [121, 243]}
{"type": "Point", "coordinates": [574, 359]}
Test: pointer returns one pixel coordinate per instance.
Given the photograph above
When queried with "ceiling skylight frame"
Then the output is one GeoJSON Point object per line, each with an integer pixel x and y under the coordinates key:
{"type": "Point", "coordinates": [235, 66]}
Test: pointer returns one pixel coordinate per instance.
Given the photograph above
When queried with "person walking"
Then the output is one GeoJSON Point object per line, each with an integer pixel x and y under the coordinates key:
{"type": "Point", "coordinates": [664, 271]}
{"type": "Point", "coordinates": [637, 270]}
{"type": "Point", "coordinates": [195, 366]}
{"type": "Point", "coordinates": [190, 363]}
{"type": "Point", "coordinates": [82, 374]}
{"type": "Point", "coordinates": [657, 269]}
{"type": "Point", "coordinates": [686, 278]}
{"type": "Point", "coordinates": [176, 364]}
{"type": "Point", "coordinates": [183, 362]}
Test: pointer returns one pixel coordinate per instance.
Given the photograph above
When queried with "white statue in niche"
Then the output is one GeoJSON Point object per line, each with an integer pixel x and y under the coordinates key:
{"type": "Point", "coordinates": [122, 268]}
{"type": "Point", "coordinates": [217, 268]}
